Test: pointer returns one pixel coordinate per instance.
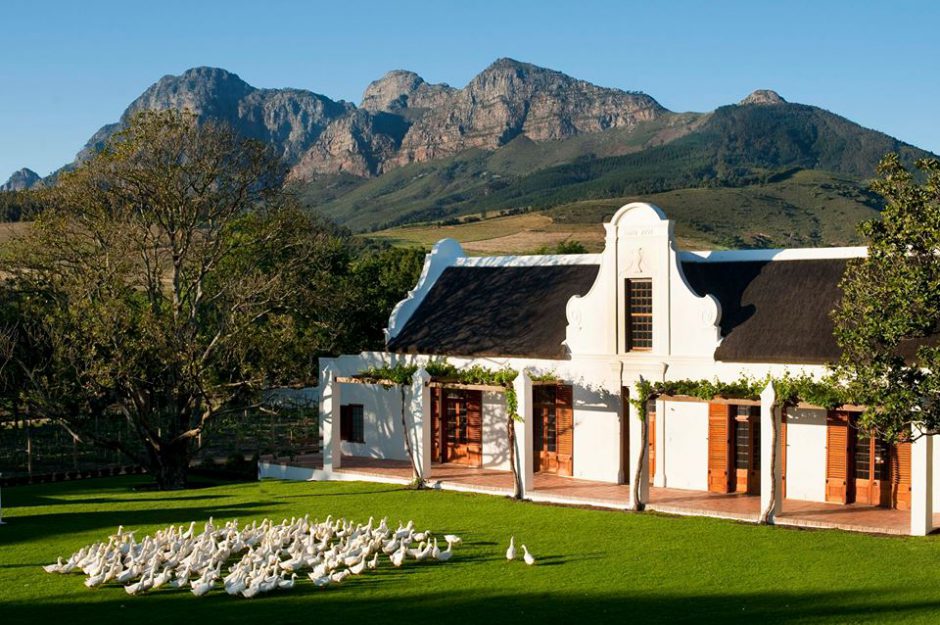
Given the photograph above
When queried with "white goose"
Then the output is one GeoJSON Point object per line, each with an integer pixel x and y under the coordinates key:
{"type": "Point", "coordinates": [528, 557]}
{"type": "Point", "coordinates": [511, 552]}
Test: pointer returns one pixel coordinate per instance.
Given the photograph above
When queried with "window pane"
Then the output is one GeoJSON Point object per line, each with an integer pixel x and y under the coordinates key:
{"type": "Point", "coordinates": [863, 458]}
{"type": "Point", "coordinates": [882, 462]}
{"type": "Point", "coordinates": [639, 307]}
{"type": "Point", "coordinates": [742, 439]}
{"type": "Point", "coordinates": [550, 428]}
{"type": "Point", "coordinates": [358, 428]}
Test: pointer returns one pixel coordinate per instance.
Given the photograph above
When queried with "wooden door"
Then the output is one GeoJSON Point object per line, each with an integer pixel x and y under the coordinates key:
{"type": "Point", "coordinates": [553, 429]}
{"type": "Point", "coordinates": [870, 481]}
{"type": "Point", "coordinates": [719, 448]}
{"type": "Point", "coordinates": [462, 427]}
{"type": "Point", "coordinates": [837, 457]}
{"type": "Point", "coordinates": [746, 438]}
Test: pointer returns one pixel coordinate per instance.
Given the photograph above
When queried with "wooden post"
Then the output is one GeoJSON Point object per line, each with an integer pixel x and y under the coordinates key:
{"type": "Point", "coordinates": [639, 463]}
{"type": "Point", "coordinates": [523, 433]}
{"type": "Point", "coordinates": [421, 422]}
{"type": "Point", "coordinates": [330, 412]}
{"type": "Point", "coordinates": [771, 452]}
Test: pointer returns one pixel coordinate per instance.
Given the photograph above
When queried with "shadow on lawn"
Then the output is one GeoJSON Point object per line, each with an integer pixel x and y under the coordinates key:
{"type": "Point", "coordinates": [38, 526]}
{"type": "Point", "coordinates": [359, 601]}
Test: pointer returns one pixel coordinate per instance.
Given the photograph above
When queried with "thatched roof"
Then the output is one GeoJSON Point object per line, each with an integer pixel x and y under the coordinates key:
{"type": "Point", "coordinates": [495, 311]}
{"type": "Point", "coordinates": [773, 311]}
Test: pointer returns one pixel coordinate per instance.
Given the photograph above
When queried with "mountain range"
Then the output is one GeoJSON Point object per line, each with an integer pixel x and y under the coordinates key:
{"type": "Point", "coordinates": [519, 137]}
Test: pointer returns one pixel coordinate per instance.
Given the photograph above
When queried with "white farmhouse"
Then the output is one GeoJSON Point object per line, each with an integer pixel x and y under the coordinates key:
{"type": "Point", "coordinates": [641, 309]}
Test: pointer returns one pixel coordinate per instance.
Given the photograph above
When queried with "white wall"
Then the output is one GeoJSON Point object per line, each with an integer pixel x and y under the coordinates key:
{"type": "Point", "coordinates": [936, 473]}
{"type": "Point", "coordinates": [495, 436]}
{"type": "Point", "coordinates": [596, 434]}
{"type": "Point", "coordinates": [806, 454]}
{"type": "Point", "coordinates": [686, 448]}
{"type": "Point", "coordinates": [381, 421]}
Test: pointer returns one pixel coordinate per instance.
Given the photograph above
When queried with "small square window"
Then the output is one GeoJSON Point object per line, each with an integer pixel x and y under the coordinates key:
{"type": "Point", "coordinates": [351, 427]}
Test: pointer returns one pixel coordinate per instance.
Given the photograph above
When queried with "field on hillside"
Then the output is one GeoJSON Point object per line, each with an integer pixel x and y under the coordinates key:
{"type": "Point", "coordinates": [9, 230]}
{"type": "Point", "coordinates": [517, 234]}
{"type": "Point", "coordinates": [805, 209]}
{"type": "Point", "coordinates": [592, 566]}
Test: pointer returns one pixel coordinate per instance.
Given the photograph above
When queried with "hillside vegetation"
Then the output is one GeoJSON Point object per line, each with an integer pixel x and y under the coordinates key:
{"type": "Point", "coordinates": [803, 209]}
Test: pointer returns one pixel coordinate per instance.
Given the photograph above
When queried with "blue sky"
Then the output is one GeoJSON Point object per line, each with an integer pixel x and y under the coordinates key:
{"type": "Point", "coordinates": [66, 68]}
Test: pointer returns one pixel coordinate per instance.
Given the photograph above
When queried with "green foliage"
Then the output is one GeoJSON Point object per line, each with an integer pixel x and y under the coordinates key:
{"type": "Point", "coordinates": [442, 370]}
{"type": "Point", "coordinates": [19, 205]}
{"type": "Point", "coordinates": [167, 279]}
{"type": "Point", "coordinates": [378, 277]}
{"type": "Point", "coordinates": [890, 312]}
{"type": "Point", "coordinates": [790, 390]}
{"type": "Point", "coordinates": [388, 375]}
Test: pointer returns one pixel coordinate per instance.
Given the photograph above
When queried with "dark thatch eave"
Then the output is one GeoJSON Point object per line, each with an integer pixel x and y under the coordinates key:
{"type": "Point", "coordinates": [773, 311]}
{"type": "Point", "coordinates": [511, 311]}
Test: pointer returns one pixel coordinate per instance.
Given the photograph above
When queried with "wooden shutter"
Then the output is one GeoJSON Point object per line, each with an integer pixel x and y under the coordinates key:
{"type": "Point", "coordinates": [719, 448]}
{"type": "Point", "coordinates": [783, 450]}
{"type": "Point", "coordinates": [475, 427]}
{"type": "Point", "coordinates": [437, 398]}
{"type": "Point", "coordinates": [564, 429]}
{"type": "Point", "coordinates": [651, 416]}
{"type": "Point", "coordinates": [901, 477]}
{"type": "Point", "coordinates": [837, 457]}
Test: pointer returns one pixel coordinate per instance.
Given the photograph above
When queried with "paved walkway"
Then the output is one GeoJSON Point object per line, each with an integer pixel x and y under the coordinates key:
{"type": "Point", "coordinates": [551, 488]}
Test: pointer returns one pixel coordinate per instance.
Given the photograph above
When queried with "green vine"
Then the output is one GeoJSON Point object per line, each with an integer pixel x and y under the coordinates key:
{"type": "Point", "coordinates": [441, 369]}
{"type": "Point", "coordinates": [790, 390]}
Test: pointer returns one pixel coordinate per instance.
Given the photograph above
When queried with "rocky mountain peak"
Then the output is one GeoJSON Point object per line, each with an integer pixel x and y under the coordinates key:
{"type": "Point", "coordinates": [21, 180]}
{"type": "Point", "coordinates": [392, 91]}
{"type": "Point", "coordinates": [763, 96]}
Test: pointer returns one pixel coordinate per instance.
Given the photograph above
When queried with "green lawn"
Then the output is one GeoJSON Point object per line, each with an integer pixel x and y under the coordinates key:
{"type": "Point", "coordinates": [594, 566]}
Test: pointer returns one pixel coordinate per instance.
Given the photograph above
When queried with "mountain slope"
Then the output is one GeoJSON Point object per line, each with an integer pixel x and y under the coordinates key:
{"type": "Point", "coordinates": [734, 146]}
{"type": "Point", "coordinates": [21, 180]}
{"type": "Point", "coordinates": [519, 137]}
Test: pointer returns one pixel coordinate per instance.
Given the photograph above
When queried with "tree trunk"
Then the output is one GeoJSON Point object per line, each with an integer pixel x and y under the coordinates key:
{"type": "Point", "coordinates": [170, 466]}
{"type": "Point", "coordinates": [772, 487]}
{"type": "Point", "coordinates": [516, 480]}
{"type": "Point", "coordinates": [639, 504]}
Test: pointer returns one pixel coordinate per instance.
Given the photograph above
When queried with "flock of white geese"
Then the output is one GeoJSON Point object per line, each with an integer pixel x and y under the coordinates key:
{"type": "Point", "coordinates": [258, 558]}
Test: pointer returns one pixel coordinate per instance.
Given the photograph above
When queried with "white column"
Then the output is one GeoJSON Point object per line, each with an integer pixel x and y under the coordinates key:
{"type": "Point", "coordinates": [420, 409]}
{"type": "Point", "coordinates": [329, 418]}
{"type": "Point", "coordinates": [639, 488]}
{"type": "Point", "coordinates": [659, 478]}
{"type": "Point", "coordinates": [522, 428]}
{"type": "Point", "coordinates": [770, 420]}
{"type": "Point", "coordinates": [921, 484]}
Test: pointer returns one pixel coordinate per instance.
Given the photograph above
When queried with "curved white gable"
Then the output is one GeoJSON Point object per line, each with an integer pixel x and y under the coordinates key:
{"type": "Point", "coordinates": [639, 244]}
{"type": "Point", "coordinates": [444, 254]}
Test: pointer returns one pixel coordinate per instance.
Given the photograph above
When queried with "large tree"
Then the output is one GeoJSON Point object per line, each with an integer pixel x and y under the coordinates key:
{"type": "Point", "coordinates": [168, 279]}
{"type": "Point", "coordinates": [889, 317]}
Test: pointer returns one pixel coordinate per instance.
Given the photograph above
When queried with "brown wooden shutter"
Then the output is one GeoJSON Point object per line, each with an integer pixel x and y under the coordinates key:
{"type": "Point", "coordinates": [901, 478]}
{"type": "Point", "coordinates": [719, 448]}
{"type": "Point", "coordinates": [436, 429]}
{"type": "Point", "coordinates": [783, 450]}
{"type": "Point", "coordinates": [837, 457]}
{"type": "Point", "coordinates": [475, 427]}
{"type": "Point", "coordinates": [651, 416]}
{"type": "Point", "coordinates": [564, 429]}
{"type": "Point", "coordinates": [345, 422]}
